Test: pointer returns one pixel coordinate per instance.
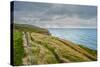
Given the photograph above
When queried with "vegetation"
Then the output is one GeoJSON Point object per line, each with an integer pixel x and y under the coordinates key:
{"type": "Point", "coordinates": [18, 48]}
{"type": "Point", "coordinates": [42, 48]}
{"type": "Point", "coordinates": [93, 52]}
{"type": "Point", "coordinates": [30, 28]}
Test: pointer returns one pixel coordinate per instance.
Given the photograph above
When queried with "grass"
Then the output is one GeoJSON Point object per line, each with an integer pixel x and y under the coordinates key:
{"type": "Point", "coordinates": [18, 48]}
{"type": "Point", "coordinates": [47, 49]}
{"type": "Point", "coordinates": [58, 48]}
{"type": "Point", "coordinates": [40, 54]}
{"type": "Point", "coordinates": [93, 52]}
{"type": "Point", "coordinates": [30, 28]}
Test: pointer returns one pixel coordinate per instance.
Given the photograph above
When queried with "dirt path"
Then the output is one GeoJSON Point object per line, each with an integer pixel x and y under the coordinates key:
{"type": "Point", "coordinates": [26, 48]}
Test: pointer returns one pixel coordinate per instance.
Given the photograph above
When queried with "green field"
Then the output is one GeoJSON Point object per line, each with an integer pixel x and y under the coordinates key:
{"type": "Point", "coordinates": [18, 47]}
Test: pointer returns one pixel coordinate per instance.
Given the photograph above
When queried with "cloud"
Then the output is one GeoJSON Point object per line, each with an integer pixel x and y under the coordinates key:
{"type": "Point", "coordinates": [55, 15]}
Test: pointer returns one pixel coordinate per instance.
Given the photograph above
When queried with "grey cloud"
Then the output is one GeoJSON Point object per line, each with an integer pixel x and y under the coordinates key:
{"type": "Point", "coordinates": [55, 15]}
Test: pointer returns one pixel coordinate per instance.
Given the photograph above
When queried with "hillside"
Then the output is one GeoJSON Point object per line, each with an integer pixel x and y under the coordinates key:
{"type": "Point", "coordinates": [34, 45]}
{"type": "Point", "coordinates": [30, 28]}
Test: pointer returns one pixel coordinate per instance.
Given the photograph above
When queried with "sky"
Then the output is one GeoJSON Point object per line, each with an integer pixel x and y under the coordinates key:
{"type": "Point", "coordinates": [51, 15]}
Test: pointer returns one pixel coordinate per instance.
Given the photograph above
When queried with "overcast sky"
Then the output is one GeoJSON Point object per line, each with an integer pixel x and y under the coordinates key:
{"type": "Point", "coordinates": [49, 15]}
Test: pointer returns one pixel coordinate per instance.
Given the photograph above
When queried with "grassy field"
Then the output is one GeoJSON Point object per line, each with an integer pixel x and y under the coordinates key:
{"type": "Point", "coordinates": [18, 48]}
{"type": "Point", "coordinates": [41, 48]}
{"type": "Point", "coordinates": [62, 50]}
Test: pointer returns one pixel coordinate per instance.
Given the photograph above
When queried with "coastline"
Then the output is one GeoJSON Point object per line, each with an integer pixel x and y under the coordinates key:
{"type": "Point", "coordinates": [43, 48]}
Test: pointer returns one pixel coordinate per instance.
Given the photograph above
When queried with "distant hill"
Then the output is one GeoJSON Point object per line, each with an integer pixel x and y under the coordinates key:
{"type": "Point", "coordinates": [34, 45]}
{"type": "Point", "coordinates": [30, 28]}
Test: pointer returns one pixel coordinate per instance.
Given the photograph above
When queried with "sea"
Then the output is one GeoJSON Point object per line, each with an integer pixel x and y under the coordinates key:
{"type": "Point", "coordinates": [82, 36]}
